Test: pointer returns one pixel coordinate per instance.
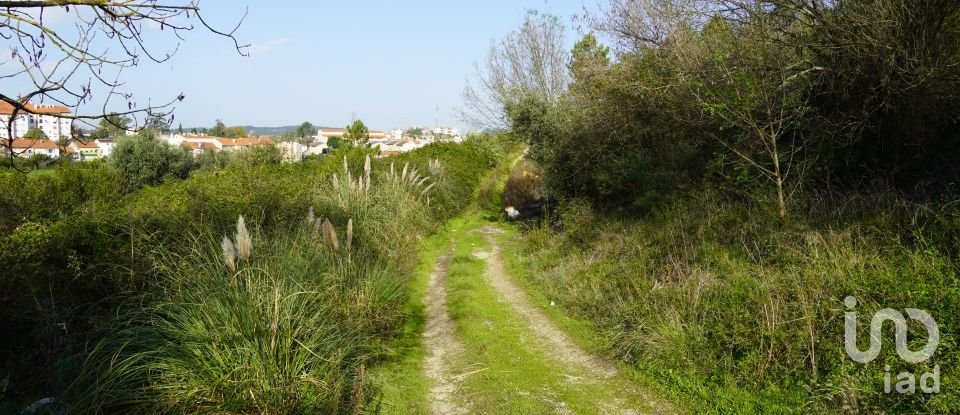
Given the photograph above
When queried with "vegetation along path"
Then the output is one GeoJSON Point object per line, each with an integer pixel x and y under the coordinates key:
{"type": "Point", "coordinates": [489, 347]}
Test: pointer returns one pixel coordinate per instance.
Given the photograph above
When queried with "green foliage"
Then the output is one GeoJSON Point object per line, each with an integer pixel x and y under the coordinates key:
{"type": "Point", "coordinates": [704, 294]}
{"type": "Point", "coordinates": [271, 337]}
{"type": "Point", "coordinates": [158, 123]}
{"type": "Point", "coordinates": [140, 275]}
{"type": "Point", "coordinates": [235, 132]}
{"type": "Point", "coordinates": [35, 134]}
{"type": "Point", "coordinates": [357, 132]}
{"type": "Point", "coordinates": [219, 129]}
{"type": "Point", "coordinates": [263, 327]}
{"type": "Point", "coordinates": [588, 58]}
{"type": "Point", "coordinates": [213, 160]}
{"type": "Point", "coordinates": [113, 125]}
{"type": "Point", "coordinates": [144, 161]}
{"type": "Point", "coordinates": [771, 94]}
{"type": "Point", "coordinates": [259, 155]}
{"type": "Point", "coordinates": [305, 132]}
{"type": "Point", "coordinates": [413, 133]}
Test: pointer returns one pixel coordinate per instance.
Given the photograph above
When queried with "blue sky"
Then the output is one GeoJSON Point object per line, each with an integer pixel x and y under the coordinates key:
{"type": "Point", "coordinates": [390, 62]}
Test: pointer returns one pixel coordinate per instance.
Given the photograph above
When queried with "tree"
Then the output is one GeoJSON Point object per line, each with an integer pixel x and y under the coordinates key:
{"type": "Point", "coordinates": [235, 132]}
{"type": "Point", "coordinates": [112, 125]}
{"type": "Point", "coordinates": [144, 161]}
{"type": "Point", "coordinates": [219, 129]}
{"type": "Point", "coordinates": [414, 133]}
{"type": "Point", "coordinates": [35, 134]}
{"type": "Point", "coordinates": [158, 123]}
{"type": "Point", "coordinates": [357, 132]}
{"type": "Point", "coordinates": [528, 62]}
{"type": "Point", "coordinates": [588, 59]}
{"type": "Point", "coordinates": [81, 62]}
{"type": "Point", "coordinates": [751, 84]}
{"type": "Point", "coordinates": [305, 133]}
{"type": "Point", "coordinates": [334, 142]}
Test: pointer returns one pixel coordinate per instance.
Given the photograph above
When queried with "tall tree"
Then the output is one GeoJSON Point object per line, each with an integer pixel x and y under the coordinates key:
{"type": "Point", "coordinates": [531, 61]}
{"type": "Point", "coordinates": [357, 132]}
{"type": "Point", "coordinates": [158, 123]}
{"type": "Point", "coordinates": [758, 91]}
{"type": "Point", "coordinates": [305, 132]}
{"type": "Point", "coordinates": [219, 129]}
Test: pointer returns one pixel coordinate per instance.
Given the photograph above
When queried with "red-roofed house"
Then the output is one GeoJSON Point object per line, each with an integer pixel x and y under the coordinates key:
{"type": "Point", "coordinates": [84, 151]}
{"type": "Point", "coordinates": [27, 148]}
{"type": "Point", "coordinates": [234, 144]}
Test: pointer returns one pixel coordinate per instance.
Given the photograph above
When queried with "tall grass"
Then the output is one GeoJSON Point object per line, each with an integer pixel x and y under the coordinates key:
{"type": "Point", "coordinates": [283, 321]}
{"type": "Point", "coordinates": [715, 290]}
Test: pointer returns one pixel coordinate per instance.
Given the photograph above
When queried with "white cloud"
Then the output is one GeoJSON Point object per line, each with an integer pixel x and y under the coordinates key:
{"type": "Point", "coordinates": [258, 49]}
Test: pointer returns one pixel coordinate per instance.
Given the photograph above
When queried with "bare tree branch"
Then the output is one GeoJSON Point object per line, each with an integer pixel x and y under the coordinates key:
{"type": "Point", "coordinates": [74, 67]}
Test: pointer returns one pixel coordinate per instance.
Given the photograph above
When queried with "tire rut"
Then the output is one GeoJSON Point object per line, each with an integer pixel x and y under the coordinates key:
{"type": "Point", "coordinates": [441, 343]}
{"type": "Point", "coordinates": [549, 334]}
{"type": "Point", "coordinates": [561, 346]}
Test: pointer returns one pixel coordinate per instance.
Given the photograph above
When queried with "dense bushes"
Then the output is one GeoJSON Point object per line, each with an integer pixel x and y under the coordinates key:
{"type": "Point", "coordinates": [69, 266]}
{"type": "Point", "coordinates": [735, 171]}
{"type": "Point", "coordinates": [759, 98]}
{"type": "Point", "coordinates": [146, 161]}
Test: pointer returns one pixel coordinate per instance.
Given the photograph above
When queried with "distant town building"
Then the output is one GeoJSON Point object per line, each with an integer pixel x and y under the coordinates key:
{"type": "Point", "coordinates": [448, 131]}
{"type": "Point", "coordinates": [198, 143]}
{"type": "Point", "coordinates": [83, 151]}
{"type": "Point", "coordinates": [328, 133]}
{"type": "Point", "coordinates": [48, 118]}
{"type": "Point", "coordinates": [106, 146]}
{"type": "Point", "coordinates": [28, 148]}
{"type": "Point", "coordinates": [389, 147]}
{"type": "Point", "coordinates": [237, 144]}
{"type": "Point", "coordinates": [198, 148]}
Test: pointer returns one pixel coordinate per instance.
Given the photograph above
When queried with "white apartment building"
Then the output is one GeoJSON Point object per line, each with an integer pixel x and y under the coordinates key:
{"type": "Point", "coordinates": [23, 123]}
{"type": "Point", "coordinates": [441, 130]}
{"type": "Point", "coordinates": [28, 148]}
{"type": "Point", "coordinates": [45, 117]}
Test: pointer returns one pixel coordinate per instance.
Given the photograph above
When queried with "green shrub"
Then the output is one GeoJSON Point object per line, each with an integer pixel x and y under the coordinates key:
{"type": "Point", "coordinates": [145, 161]}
